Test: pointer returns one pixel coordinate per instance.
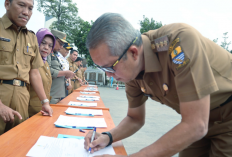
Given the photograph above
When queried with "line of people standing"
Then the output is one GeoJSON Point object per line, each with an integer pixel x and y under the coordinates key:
{"type": "Point", "coordinates": [33, 69]}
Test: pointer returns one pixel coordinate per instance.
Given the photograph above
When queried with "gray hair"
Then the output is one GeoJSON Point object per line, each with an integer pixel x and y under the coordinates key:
{"type": "Point", "coordinates": [115, 31]}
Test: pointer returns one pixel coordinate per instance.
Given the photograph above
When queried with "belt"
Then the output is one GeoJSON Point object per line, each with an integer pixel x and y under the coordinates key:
{"type": "Point", "coordinates": [14, 82]}
{"type": "Point", "coordinates": [228, 100]}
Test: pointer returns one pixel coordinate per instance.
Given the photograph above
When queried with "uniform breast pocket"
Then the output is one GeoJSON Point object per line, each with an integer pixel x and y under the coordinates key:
{"type": "Point", "coordinates": [28, 54]}
{"type": "Point", "coordinates": [6, 53]}
{"type": "Point", "coordinates": [56, 65]}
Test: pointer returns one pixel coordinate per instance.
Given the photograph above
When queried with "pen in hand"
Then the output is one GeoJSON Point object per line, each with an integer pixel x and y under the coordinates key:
{"type": "Point", "coordinates": [92, 138]}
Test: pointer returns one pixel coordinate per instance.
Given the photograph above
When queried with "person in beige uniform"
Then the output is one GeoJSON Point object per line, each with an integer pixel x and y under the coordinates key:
{"type": "Point", "coordinates": [78, 76]}
{"type": "Point", "coordinates": [19, 63]}
{"type": "Point", "coordinates": [72, 66]}
{"type": "Point", "coordinates": [46, 43]}
{"type": "Point", "coordinates": [83, 69]}
{"type": "Point", "coordinates": [176, 66]}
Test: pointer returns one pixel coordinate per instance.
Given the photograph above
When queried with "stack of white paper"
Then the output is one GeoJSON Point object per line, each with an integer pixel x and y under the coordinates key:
{"type": "Point", "coordinates": [89, 96]}
{"type": "Point", "coordinates": [87, 92]}
{"type": "Point", "coordinates": [92, 85]}
{"type": "Point", "coordinates": [91, 89]}
{"type": "Point", "coordinates": [73, 103]}
{"type": "Point", "coordinates": [87, 99]}
{"type": "Point", "coordinates": [80, 122]}
{"type": "Point", "coordinates": [71, 110]}
{"type": "Point", "coordinates": [63, 147]}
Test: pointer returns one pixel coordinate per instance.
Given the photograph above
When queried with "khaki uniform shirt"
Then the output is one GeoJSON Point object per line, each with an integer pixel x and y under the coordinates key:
{"type": "Point", "coordinates": [19, 55]}
{"type": "Point", "coordinates": [83, 74]}
{"type": "Point", "coordinates": [58, 83]}
{"type": "Point", "coordinates": [35, 103]}
{"type": "Point", "coordinates": [72, 67]}
{"type": "Point", "coordinates": [77, 83]}
{"type": "Point", "coordinates": [181, 66]}
{"type": "Point", "coordinates": [47, 83]}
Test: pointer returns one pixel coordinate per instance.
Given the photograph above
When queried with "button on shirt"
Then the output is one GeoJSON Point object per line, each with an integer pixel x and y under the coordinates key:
{"type": "Point", "coordinates": [19, 55]}
{"type": "Point", "coordinates": [187, 69]}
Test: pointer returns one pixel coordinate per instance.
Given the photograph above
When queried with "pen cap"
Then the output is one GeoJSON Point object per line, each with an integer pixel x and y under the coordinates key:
{"type": "Point", "coordinates": [94, 129]}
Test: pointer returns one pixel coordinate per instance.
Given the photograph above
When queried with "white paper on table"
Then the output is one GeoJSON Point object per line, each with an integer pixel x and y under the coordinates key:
{"type": "Point", "coordinates": [63, 147]}
{"type": "Point", "coordinates": [91, 89]}
{"type": "Point", "coordinates": [73, 103]}
{"type": "Point", "coordinates": [89, 96]}
{"type": "Point", "coordinates": [92, 85]}
{"type": "Point", "coordinates": [81, 122]}
{"type": "Point", "coordinates": [71, 110]}
{"type": "Point", "coordinates": [87, 99]}
{"type": "Point", "coordinates": [88, 92]}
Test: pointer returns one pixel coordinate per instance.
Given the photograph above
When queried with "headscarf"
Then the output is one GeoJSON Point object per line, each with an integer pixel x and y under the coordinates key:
{"type": "Point", "coordinates": [42, 32]}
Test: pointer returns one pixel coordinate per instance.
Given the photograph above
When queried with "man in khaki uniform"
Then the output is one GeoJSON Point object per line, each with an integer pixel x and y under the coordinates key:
{"type": "Point", "coordinates": [58, 89]}
{"type": "Point", "coordinates": [174, 65]}
{"type": "Point", "coordinates": [20, 60]}
{"type": "Point", "coordinates": [72, 66]}
{"type": "Point", "coordinates": [78, 77]}
{"type": "Point", "coordinates": [83, 69]}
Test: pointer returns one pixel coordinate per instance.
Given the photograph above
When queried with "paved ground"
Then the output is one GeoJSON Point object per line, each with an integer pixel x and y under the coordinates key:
{"type": "Point", "coordinates": [159, 118]}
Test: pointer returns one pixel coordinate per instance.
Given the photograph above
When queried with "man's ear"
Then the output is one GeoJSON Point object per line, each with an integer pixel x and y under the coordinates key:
{"type": "Point", "coordinates": [7, 4]}
{"type": "Point", "coordinates": [134, 52]}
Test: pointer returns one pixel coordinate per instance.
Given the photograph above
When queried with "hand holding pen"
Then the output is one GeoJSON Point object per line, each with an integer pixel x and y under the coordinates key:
{"type": "Point", "coordinates": [92, 138]}
{"type": "Point", "coordinates": [100, 141]}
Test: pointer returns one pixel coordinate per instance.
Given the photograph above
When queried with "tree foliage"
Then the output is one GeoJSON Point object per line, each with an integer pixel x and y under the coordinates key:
{"type": "Point", "coordinates": [224, 44]}
{"type": "Point", "coordinates": [80, 35]}
{"type": "Point", "coordinates": [63, 10]}
{"type": "Point", "coordinates": [146, 24]}
{"type": "Point", "coordinates": [68, 22]}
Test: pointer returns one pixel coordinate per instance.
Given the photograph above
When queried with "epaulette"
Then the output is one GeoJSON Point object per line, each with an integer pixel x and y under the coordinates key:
{"type": "Point", "coordinates": [31, 31]}
{"type": "Point", "coordinates": [53, 57]}
{"type": "Point", "coordinates": [160, 44]}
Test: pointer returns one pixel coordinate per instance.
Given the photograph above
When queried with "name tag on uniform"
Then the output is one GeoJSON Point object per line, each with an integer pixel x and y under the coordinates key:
{"type": "Point", "coordinates": [4, 39]}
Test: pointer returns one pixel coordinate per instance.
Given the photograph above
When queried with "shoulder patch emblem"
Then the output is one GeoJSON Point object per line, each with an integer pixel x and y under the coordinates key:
{"type": "Point", "coordinates": [177, 55]}
{"type": "Point", "coordinates": [186, 61]}
{"type": "Point", "coordinates": [173, 45]}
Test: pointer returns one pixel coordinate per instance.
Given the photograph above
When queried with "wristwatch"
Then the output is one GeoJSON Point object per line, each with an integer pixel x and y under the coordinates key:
{"type": "Point", "coordinates": [44, 101]}
{"type": "Point", "coordinates": [110, 136]}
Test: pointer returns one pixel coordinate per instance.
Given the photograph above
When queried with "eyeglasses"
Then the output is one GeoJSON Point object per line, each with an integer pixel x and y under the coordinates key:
{"type": "Point", "coordinates": [60, 42]}
{"type": "Point", "coordinates": [111, 69]}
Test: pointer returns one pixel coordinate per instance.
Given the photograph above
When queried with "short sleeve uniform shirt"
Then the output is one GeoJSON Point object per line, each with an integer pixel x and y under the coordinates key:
{"type": "Point", "coordinates": [181, 65]}
{"type": "Point", "coordinates": [19, 53]}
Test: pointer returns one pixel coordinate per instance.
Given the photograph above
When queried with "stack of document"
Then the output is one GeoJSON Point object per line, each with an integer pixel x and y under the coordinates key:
{"type": "Point", "coordinates": [73, 103]}
{"type": "Point", "coordinates": [84, 112]}
{"type": "Point", "coordinates": [91, 89]}
{"type": "Point", "coordinates": [63, 147]}
{"type": "Point", "coordinates": [89, 96]}
{"type": "Point", "coordinates": [88, 92]}
{"type": "Point", "coordinates": [77, 123]}
{"type": "Point", "coordinates": [92, 85]}
{"type": "Point", "coordinates": [87, 99]}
